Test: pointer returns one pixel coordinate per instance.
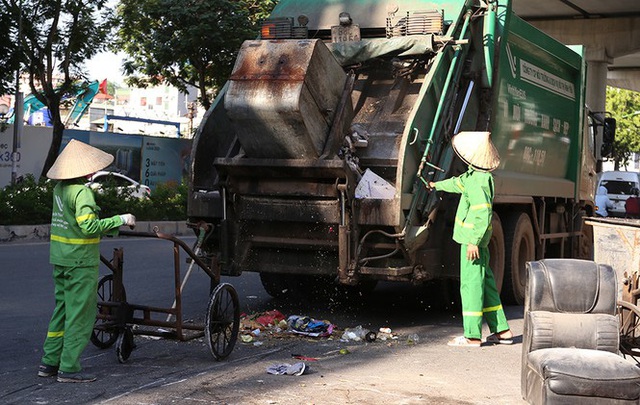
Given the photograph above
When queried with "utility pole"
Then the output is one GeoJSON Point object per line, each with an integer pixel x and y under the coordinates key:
{"type": "Point", "coordinates": [18, 109]}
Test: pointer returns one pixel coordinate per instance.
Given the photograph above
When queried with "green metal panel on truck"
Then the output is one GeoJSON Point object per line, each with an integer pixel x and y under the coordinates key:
{"type": "Point", "coordinates": [538, 116]}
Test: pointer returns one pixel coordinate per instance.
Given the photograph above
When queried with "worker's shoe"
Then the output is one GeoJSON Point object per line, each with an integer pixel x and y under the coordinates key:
{"type": "Point", "coordinates": [78, 377]}
{"type": "Point", "coordinates": [45, 370]}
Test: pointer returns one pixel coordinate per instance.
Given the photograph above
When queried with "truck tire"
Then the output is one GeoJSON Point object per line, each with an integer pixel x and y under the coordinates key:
{"type": "Point", "coordinates": [280, 285]}
{"type": "Point", "coordinates": [496, 251]}
{"type": "Point", "coordinates": [520, 248]}
{"type": "Point", "coordinates": [276, 285]}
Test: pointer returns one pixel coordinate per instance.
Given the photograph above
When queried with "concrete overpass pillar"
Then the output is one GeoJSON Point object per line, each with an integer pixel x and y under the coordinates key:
{"type": "Point", "coordinates": [596, 93]}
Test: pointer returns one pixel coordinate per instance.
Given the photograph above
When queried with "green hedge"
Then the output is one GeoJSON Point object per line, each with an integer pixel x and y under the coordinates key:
{"type": "Point", "coordinates": [29, 202]}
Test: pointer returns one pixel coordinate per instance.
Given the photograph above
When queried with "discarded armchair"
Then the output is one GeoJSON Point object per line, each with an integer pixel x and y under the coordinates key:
{"type": "Point", "coordinates": [571, 336]}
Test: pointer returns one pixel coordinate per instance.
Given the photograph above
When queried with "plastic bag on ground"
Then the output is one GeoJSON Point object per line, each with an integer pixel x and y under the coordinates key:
{"type": "Point", "coordinates": [308, 326]}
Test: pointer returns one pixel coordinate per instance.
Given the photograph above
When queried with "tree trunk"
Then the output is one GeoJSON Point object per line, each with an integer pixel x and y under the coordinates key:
{"type": "Point", "coordinates": [56, 140]}
{"type": "Point", "coordinates": [204, 98]}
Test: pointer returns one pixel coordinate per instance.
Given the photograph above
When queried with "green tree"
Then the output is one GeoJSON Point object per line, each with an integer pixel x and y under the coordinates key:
{"type": "Point", "coordinates": [260, 9]}
{"type": "Point", "coordinates": [10, 57]}
{"type": "Point", "coordinates": [185, 42]}
{"type": "Point", "coordinates": [57, 37]}
{"type": "Point", "coordinates": [623, 106]}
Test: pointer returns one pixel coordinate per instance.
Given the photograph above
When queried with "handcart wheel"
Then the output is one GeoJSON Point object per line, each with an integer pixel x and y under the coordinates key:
{"type": "Point", "coordinates": [222, 321]}
{"type": "Point", "coordinates": [125, 345]}
{"type": "Point", "coordinates": [105, 336]}
{"type": "Point", "coordinates": [629, 319]}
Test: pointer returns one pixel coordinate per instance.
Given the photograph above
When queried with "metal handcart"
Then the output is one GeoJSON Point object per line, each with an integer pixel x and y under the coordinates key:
{"type": "Point", "coordinates": [617, 243]}
{"type": "Point", "coordinates": [118, 320]}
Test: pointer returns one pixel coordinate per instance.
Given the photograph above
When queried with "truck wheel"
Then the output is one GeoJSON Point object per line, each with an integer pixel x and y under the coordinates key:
{"type": "Point", "coordinates": [496, 251]}
{"type": "Point", "coordinates": [276, 285]}
{"type": "Point", "coordinates": [520, 248]}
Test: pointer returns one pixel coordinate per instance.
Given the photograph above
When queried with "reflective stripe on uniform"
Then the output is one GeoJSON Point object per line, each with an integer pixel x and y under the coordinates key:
{"type": "Point", "coordinates": [459, 184]}
{"type": "Point", "coordinates": [464, 224]}
{"type": "Point", "coordinates": [75, 241]}
{"type": "Point", "coordinates": [480, 206]}
{"type": "Point", "coordinates": [492, 309]}
{"type": "Point", "coordinates": [55, 334]}
{"type": "Point", "coordinates": [83, 218]}
{"type": "Point", "coordinates": [472, 313]}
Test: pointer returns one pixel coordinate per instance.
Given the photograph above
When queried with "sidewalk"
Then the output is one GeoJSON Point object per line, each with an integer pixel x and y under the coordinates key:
{"type": "Point", "coordinates": [13, 233]}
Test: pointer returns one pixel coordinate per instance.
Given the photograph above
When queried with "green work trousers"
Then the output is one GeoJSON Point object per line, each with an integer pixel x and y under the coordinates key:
{"type": "Point", "coordinates": [480, 297]}
{"type": "Point", "coordinates": [73, 317]}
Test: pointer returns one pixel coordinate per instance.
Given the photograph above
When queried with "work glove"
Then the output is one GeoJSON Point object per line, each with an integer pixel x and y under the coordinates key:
{"type": "Point", "coordinates": [128, 219]}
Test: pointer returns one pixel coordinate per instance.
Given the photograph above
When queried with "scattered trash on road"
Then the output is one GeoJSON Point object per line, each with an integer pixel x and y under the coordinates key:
{"type": "Point", "coordinates": [413, 339]}
{"type": "Point", "coordinates": [386, 334]}
{"type": "Point", "coordinates": [270, 318]}
{"type": "Point", "coordinates": [308, 326]}
{"type": "Point", "coordinates": [305, 358]}
{"type": "Point", "coordinates": [288, 369]}
{"type": "Point", "coordinates": [358, 334]}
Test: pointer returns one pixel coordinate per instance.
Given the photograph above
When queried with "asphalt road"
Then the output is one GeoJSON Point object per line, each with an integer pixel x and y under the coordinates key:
{"type": "Point", "coordinates": [162, 371]}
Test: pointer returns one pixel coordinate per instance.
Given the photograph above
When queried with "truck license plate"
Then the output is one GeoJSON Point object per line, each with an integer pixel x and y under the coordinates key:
{"type": "Point", "coordinates": [340, 33]}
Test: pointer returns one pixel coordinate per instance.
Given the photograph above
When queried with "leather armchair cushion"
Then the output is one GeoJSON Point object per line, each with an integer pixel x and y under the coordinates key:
{"type": "Point", "coordinates": [571, 286]}
{"type": "Point", "coordinates": [584, 331]}
{"type": "Point", "coordinates": [582, 372]}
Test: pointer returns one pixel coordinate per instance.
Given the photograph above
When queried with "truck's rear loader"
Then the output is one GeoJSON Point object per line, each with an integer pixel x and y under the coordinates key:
{"type": "Point", "coordinates": [314, 158]}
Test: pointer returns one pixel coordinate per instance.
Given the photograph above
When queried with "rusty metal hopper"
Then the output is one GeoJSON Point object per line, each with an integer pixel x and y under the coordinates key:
{"type": "Point", "coordinates": [282, 97]}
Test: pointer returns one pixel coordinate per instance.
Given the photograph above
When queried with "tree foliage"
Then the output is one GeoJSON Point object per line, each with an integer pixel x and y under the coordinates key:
{"type": "Point", "coordinates": [57, 37]}
{"type": "Point", "coordinates": [29, 202]}
{"type": "Point", "coordinates": [624, 106]}
{"type": "Point", "coordinates": [260, 9]}
{"type": "Point", "coordinates": [185, 42]}
{"type": "Point", "coordinates": [10, 57]}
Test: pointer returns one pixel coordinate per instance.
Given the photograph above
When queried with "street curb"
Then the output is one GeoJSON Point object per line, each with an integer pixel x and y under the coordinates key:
{"type": "Point", "coordinates": [13, 233]}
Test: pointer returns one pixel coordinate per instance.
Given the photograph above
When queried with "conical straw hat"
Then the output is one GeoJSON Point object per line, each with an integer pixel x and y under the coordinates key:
{"type": "Point", "coordinates": [477, 150]}
{"type": "Point", "coordinates": [78, 159]}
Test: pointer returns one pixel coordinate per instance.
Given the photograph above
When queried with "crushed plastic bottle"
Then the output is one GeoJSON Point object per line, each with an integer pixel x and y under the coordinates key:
{"type": "Point", "coordinates": [358, 334]}
{"type": "Point", "coordinates": [413, 339]}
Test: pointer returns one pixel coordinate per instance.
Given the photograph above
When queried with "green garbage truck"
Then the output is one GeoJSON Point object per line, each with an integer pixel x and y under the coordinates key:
{"type": "Point", "coordinates": [314, 158]}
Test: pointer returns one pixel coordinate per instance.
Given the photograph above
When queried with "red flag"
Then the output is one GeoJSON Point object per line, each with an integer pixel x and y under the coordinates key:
{"type": "Point", "coordinates": [103, 87]}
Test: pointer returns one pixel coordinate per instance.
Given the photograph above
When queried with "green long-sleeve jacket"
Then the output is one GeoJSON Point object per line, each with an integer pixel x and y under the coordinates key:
{"type": "Point", "coordinates": [75, 226]}
{"type": "Point", "coordinates": [473, 216]}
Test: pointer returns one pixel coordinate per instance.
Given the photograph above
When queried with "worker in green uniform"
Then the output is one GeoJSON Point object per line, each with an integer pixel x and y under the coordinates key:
{"type": "Point", "coordinates": [472, 230]}
{"type": "Point", "coordinates": [75, 255]}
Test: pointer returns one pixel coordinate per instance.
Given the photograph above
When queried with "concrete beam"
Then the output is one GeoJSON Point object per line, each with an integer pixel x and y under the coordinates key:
{"type": "Point", "coordinates": [625, 78]}
{"type": "Point", "coordinates": [605, 39]}
{"type": "Point", "coordinates": [618, 36]}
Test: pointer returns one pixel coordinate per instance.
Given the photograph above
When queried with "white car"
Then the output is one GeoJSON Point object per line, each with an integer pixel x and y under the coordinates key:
{"type": "Point", "coordinates": [620, 185]}
{"type": "Point", "coordinates": [120, 181]}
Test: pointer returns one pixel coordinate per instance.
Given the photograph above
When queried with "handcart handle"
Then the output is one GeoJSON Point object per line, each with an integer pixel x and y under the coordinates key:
{"type": "Point", "coordinates": [181, 243]}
